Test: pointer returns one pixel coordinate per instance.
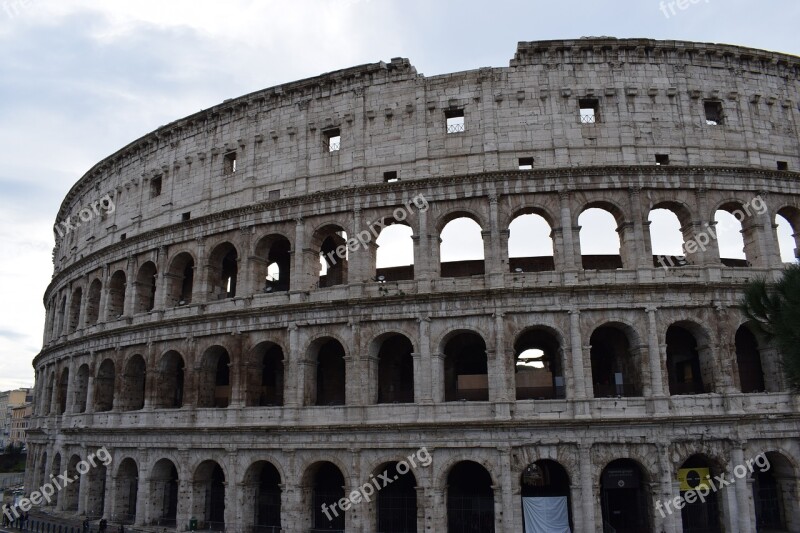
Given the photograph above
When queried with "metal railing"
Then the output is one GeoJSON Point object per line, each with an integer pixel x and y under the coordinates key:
{"type": "Point", "coordinates": [588, 118]}
{"type": "Point", "coordinates": [455, 128]}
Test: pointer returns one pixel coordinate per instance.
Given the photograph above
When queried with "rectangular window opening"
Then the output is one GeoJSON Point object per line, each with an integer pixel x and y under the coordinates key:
{"type": "Point", "coordinates": [713, 110]}
{"type": "Point", "coordinates": [526, 163]}
{"type": "Point", "coordinates": [229, 163]}
{"type": "Point", "coordinates": [123, 236]}
{"type": "Point", "coordinates": [454, 120]}
{"type": "Point", "coordinates": [274, 194]}
{"type": "Point", "coordinates": [186, 216]}
{"type": "Point", "coordinates": [155, 187]}
{"type": "Point", "coordinates": [390, 177]}
{"type": "Point", "coordinates": [333, 139]}
{"type": "Point", "coordinates": [662, 159]}
{"type": "Point", "coordinates": [783, 165]}
{"type": "Point", "coordinates": [589, 110]}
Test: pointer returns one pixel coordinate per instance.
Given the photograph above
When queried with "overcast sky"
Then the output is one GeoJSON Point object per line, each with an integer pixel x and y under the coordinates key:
{"type": "Point", "coordinates": [81, 78]}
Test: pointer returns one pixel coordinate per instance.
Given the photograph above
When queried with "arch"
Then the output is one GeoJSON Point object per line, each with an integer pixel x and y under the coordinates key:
{"type": "Point", "coordinates": [395, 369]}
{"type": "Point", "coordinates": [331, 241]}
{"type": "Point", "coordinates": [265, 376]}
{"type": "Point", "coordinates": [81, 389]}
{"type": "Point", "coordinates": [539, 365]}
{"type": "Point", "coordinates": [127, 491]}
{"type": "Point", "coordinates": [96, 490]}
{"type": "Point", "coordinates": [63, 389]}
{"type": "Point", "coordinates": [145, 288]}
{"type": "Point", "coordinates": [262, 488]}
{"type": "Point", "coordinates": [274, 263]}
{"type": "Point", "coordinates": [325, 487]}
{"type": "Point", "coordinates": [326, 384]}
{"type": "Point", "coordinates": [787, 222]}
{"type": "Point", "coordinates": [690, 365]}
{"type": "Point", "coordinates": [171, 381]}
{"type": "Point", "coordinates": [223, 271]}
{"type": "Point", "coordinates": [615, 361]}
{"type": "Point", "coordinates": [116, 294]}
{"type": "Point", "coordinates": [93, 302]}
{"type": "Point", "coordinates": [104, 386]}
{"type": "Point", "coordinates": [600, 226]}
{"type": "Point", "coordinates": [466, 367]}
{"type": "Point", "coordinates": [748, 361]}
{"type": "Point", "coordinates": [394, 250]}
{"type": "Point", "coordinates": [75, 310]}
{"type": "Point", "coordinates": [530, 242]}
{"type": "Point", "coordinates": [470, 498]}
{"type": "Point", "coordinates": [774, 487]}
{"type": "Point", "coordinates": [164, 485]}
{"type": "Point", "coordinates": [180, 280]}
{"type": "Point", "coordinates": [668, 235]}
{"type": "Point", "coordinates": [214, 378]}
{"type": "Point", "coordinates": [396, 505]}
{"type": "Point", "coordinates": [700, 516]}
{"type": "Point", "coordinates": [731, 222]}
{"type": "Point", "coordinates": [209, 495]}
{"type": "Point", "coordinates": [624, 496]}
{"type": "Point", "coordinates": [547, 479]}
{"type": "Point", "coordinates": [131, 394]}
{"type": "Point", "coordinates": [461, 248]}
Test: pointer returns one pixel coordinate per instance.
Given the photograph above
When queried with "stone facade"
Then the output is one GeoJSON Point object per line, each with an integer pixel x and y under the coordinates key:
{"type": "Point", "coordinates": [215, 387]}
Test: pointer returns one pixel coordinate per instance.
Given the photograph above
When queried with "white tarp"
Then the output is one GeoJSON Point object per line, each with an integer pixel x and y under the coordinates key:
{"type": "Point", "coordinates": [546, 515]}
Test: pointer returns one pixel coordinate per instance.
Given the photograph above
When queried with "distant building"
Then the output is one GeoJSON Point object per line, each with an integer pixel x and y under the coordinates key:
{"type": "Point", "coordinates": [20, 418]}
{"type": "Point", "coordinates": [8, 401]}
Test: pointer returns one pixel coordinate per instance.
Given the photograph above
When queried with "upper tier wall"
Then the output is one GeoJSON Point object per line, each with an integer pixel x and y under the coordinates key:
{"type": "Point", "coordinates": [650, 97]}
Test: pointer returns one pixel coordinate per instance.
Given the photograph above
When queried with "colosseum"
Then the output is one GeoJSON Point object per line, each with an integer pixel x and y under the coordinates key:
{"type": "Point", "coordinates": [224, 322]}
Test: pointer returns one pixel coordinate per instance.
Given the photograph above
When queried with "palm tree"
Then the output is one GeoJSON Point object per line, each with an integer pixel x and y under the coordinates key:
{"type": "Point", "coordinates": [774, 309]}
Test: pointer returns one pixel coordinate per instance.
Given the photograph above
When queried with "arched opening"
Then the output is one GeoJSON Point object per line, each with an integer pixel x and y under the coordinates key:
{"type": "Point", "coordinates": [104, 387]}
{"type": "Point", "coordinates": [546, 504]}
{"type": "Point", "coordinates": [470, 499]}
{"type": "Point", "coordinates": [48, 395]}
{"type": "Point", "coordinates": [333, 255]}
{"type": "Point", "coordinates": [209, 496]}
{"type": "Point", "coordinates": [63, 388]}
{"type": "Point", "coordinates": [395, 252]}
{"type": "Point", "coordinates": [683, 362]}
{"type": "Point", "coordinates": [180, 278]}
{"type": "Point", "coordinates": [670, 228]}
{"type": "Point", "coordinates": [75, 310]}
{"type": "Point", "coordinates": [615, 369]}
{"type": "Point", "coordinates": [223, 271]}
{"type": "Point", "coordinates": [116, 294]}
{"type": "Point", "coordinates": [145, 295]}
{"type": "Point", "coordinates": [81, 389]}
{"type": "Point", "coordinates": [538, 372]}
{"type": "Point", "coordinates": [263, 489]}
{"type": "Point", "coordinates": [461, 250]}
{"type": "Point", "coordinates": [61, 318]}
{"type": "Point", "coordinates": [164, 483]}
{"type": "Point", "coordinates": [624, 497]}
{"type": "Point", "coordinates": [699, 516]}
{"type": "Point", "coordinates": [600, 239]}
{"type": "Point", "coordinates": [774, 490]}
{"type": "Point", "coordinates": [126, 496]}
{"type": "Point", "coordinates": [329, 383]}
{"type": "Point", "coordinates": [466, 368]}
{"type": "Point", "coordinates": [396, 370]}
{"type": "Point", "coordinates": [729, 232]}
{"type": "Point", "coordinates": [787, 223]}
{"type": "Point", "coordinates": [93, 302]}
{"type": "Point", "coordinates": [71, 491]}
{"type": "Point", "coordinates": [273, 265]}
{"type": "Point", "coordinates": [530, 244]}
{"type": "Point", "coordinates": [265, 376]}
{"type": "Point", "coordinates": [748, 361]}
{"type": "Point", "coordinates": [327, 488]}
{"type": "Point", "coordinates": [171, 381]}
{"type": "Point", "coordinates": [133, 384]}
{"type": "Point", "coordinates": [214, 380]}
{"type": "Point", "coordinates": [397, 502]}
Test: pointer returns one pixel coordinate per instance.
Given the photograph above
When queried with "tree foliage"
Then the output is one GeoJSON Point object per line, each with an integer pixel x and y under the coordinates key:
{"type": "Point", "coordinates": [774, 312]}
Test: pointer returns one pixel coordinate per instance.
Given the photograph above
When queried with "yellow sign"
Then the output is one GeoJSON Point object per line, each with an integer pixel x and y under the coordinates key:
{"type": "Point", "coordinates": [694, 478]}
